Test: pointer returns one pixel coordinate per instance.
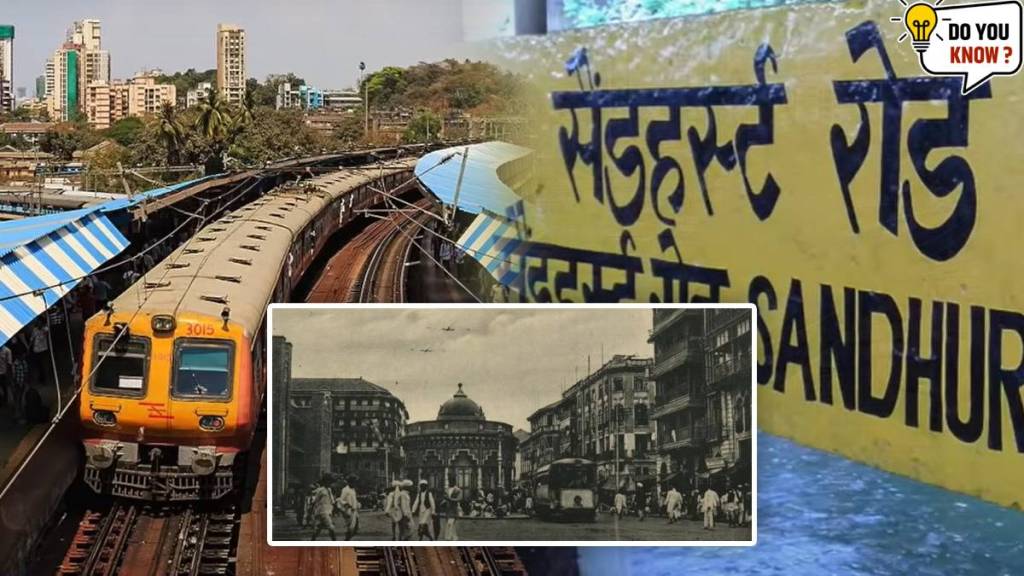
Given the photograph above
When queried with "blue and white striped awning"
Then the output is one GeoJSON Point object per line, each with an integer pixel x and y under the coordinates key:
{"type": "Point", "coordinates": [43, 258]}
{"type": "Point", "coordinates": [493, 241]}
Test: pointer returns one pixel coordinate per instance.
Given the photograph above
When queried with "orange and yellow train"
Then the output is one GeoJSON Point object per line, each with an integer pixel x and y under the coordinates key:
{"type": "Point", "coordinates": [176, 367]}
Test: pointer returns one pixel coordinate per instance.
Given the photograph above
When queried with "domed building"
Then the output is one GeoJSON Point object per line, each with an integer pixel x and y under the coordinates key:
{"type": "Point", "coordinates": [461, 443]}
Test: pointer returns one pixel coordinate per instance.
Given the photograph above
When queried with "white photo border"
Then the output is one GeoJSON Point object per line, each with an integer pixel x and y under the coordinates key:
{"type": "Point", "coordinates": [513, 543]}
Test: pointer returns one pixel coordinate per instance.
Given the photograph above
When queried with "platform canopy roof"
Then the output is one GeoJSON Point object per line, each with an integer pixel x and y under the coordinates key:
{"type": "Point", "coordinates": [482, 187]}
{"type": "Point", "coordinates": [42, 258]}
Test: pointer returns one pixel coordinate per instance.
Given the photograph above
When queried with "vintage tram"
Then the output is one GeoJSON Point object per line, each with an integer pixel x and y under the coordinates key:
{"type": "Point", "coordinates": [566, 489]}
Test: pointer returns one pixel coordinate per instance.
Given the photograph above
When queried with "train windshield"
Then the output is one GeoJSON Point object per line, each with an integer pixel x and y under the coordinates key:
{"type": "Point", "coordinates": [573, 476]}
{"type": "Point", "coordinates": [203, 369]}
{"type": "Point", "coordinates": [119, 367]}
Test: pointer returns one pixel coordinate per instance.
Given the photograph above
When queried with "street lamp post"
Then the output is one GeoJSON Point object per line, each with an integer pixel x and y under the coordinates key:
{"type": "Point", "coordinates": [366, 100]}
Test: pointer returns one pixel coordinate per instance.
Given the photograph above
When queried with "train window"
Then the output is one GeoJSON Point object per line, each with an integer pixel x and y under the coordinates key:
{"type": "Point", "coordinates": [120, 369]}
{"type": "Point", "coordinates": [202, 369]}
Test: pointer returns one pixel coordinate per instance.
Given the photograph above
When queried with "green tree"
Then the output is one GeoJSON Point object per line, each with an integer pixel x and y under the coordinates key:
{"type": "Point", "coordinates": [276, 134]}
{"type": "Point", "coordinates": [187, 80]}
{"type": "Point", "coordinates": [382, 87]}
{"type": "Point", "coordinates": [172, 133]}
{"type": "Point", "coordinates": [102, 168]}
{"type": "Point", "coordinates": [214, 123]}
{"type": "Point", "coordinates": [64, 139]}
{"type": "Point", "coordinates": [351, 129]}
{"type": "Point", "coordinates": [425, 127]}
{"type": "Point", "coordinates": [265, 93]}
{"type": "Point", "coordinates": [125, 132]}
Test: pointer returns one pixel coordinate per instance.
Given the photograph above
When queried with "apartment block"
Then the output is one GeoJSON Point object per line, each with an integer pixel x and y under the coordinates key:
{"type": "Point", "coordinates": [98, 105]}
{"type": "Point", "coordinates": [231, 72]}
{"type": "Point", "coordinates": [7, 100]}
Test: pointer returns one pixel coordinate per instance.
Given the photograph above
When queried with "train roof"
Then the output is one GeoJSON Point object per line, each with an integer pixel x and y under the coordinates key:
{"type": "Point", "coordinates": [237, 259]}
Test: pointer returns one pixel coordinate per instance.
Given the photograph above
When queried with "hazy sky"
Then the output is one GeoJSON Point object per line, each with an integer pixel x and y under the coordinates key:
{"type": "Point", "coordinates": [321, 40]}
{"type": "Point", "coordinates": [511, 362]}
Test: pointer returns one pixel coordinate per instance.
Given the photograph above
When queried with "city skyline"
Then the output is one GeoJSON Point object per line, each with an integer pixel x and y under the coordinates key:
{"type": "Point", "coordinates": [296, 37]}
{"type": "Point", "coordinates": [552, 354]}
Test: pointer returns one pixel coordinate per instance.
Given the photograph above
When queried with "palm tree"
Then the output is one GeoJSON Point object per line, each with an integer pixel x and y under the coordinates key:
{"type": "Point", "coordinates": [214, 119]}
{"type": "Point", "coordinates": [214, 122]}
{"type": "Point", "coordinates": [172, 133]}
{"type": "Point", "coordinates": [248, 109]}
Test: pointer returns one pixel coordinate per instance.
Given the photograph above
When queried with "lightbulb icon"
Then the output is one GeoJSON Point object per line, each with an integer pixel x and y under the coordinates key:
{"type": "Point", "coordinates": [920, 21]}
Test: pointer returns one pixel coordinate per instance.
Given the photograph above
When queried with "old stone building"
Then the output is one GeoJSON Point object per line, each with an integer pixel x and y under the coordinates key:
{"type": "Point", "coordinates": [729, 408]}
{"type": "Point", "coordinates": [702, 366]}
{"type": "Point", "coordinates": [344, 426]}
{"type": "Point", "coordinates": [544, 444]}
{"type": "Point", "coordinates": [461, 443]}
{"type": "Point", "coordinates": [611, 421]}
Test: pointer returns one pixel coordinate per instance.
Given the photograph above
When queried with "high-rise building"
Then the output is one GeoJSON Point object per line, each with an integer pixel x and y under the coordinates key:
{"type": "Point", "coordinates": [87, 34]}
{"type": "Point", "coordinates": [64, 101]}
{"type": "Point", "coordinates": [231, 63]}
{"type": "Point", "coordinates": [6, 68]}
{"type": "Point", "coordinates": [49, 80]}
{"type": "Point", "coordinates": [78, 64]}
{"type": "Point", "coordinates": [41, 87]}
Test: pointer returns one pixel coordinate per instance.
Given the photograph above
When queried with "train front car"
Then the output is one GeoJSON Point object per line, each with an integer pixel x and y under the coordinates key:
{"type": "Point", "coordinates": [169, 406]}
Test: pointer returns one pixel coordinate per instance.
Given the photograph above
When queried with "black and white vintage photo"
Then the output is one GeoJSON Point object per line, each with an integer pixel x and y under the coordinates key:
{"type": "Point", "coordinates": [512, 424]}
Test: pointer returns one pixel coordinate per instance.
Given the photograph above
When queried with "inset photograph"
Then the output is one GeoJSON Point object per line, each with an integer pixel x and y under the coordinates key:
{"type": "Point", "coordinates": [540, 425]}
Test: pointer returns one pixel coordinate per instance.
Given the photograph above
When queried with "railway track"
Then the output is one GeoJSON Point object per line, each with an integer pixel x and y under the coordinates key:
{"type": "Point", "coordinates": [371, 266]}
{"type": "Point", "coordinates": [132, 539]}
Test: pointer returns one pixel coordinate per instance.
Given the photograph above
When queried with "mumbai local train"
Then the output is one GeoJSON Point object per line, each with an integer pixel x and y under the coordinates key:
{"type": "Point", "coordinates": [175, 368]}
{"type": "Point", "coordinates": [566, 490]}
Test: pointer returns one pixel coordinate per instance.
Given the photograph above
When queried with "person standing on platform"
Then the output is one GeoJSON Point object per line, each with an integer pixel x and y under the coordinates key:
{"type": "Point", "coordinates": [349, 503]}
{"type": "Point", "coordinates": [323, 509]}
{"type": "Point", "coordinates": [709, 503]}
{"type": "Point", "coordinates": [6, 370]}
{"type": "Point", "coordinates": [40, 346]}
{"type": "Point", "coordinates": [453, 509]}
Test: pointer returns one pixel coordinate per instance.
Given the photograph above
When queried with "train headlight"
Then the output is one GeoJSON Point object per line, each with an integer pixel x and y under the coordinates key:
{"type": "Point", "coordinates": [101, 457]}
{"type": "Point", "coordinates": [104, 418]}
{"type": "Point", "coordinates": [163, 323]}
{"type": "Point", "coordinates": [211, 423]}
{"type": "Point", "coordinates": [204, 461]}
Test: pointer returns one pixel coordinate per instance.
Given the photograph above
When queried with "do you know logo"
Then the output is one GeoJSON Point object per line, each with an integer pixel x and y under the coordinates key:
{"type": "Point", "coordinates": [973, 40]}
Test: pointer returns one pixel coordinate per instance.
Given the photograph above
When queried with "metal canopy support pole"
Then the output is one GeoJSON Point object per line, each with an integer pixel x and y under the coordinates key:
{"type": "Point", "coordinates": [458, 187]}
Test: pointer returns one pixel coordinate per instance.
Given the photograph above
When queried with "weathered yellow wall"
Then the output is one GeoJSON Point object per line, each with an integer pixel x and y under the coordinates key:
{"type": "Point", "coordinates": [966, 282]}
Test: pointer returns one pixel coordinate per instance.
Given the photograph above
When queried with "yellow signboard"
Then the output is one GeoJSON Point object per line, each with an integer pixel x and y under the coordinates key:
{"type": "Point", "coordinates": [798, 158]}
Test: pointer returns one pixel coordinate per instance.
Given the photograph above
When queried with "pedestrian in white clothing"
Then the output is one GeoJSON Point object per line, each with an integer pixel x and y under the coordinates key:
{"type": "Point", "coordinates": [709, 503]}
{"type": "Point", "coordinates": [348, 504]}
{"type": "Point", "coordinates": [673, 505]}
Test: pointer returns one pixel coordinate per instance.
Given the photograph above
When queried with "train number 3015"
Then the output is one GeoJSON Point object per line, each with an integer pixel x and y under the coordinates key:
{"type": "Point", "coordinates": [199, 330]}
